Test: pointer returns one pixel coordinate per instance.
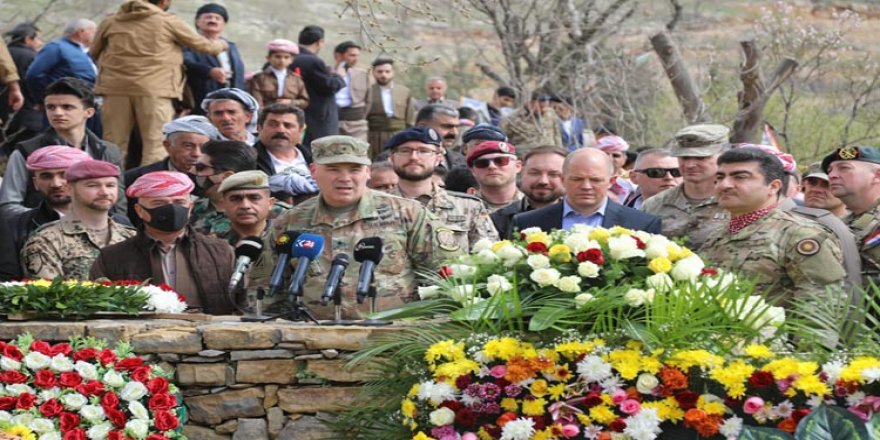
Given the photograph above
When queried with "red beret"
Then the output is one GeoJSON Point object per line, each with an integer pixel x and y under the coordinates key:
{"type": "Point", "coordinates": [489, 147]}
{"type": "Point", "coordinates": [91, 169]}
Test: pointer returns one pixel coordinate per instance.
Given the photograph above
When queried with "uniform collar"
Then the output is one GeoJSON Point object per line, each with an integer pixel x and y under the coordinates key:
{"type": "Point", "coordinates": [366, 208]}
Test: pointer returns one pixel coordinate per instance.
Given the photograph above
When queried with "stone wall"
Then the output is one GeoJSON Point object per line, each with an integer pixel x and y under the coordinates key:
{"type": "Point", "coordinates": [239, 380]}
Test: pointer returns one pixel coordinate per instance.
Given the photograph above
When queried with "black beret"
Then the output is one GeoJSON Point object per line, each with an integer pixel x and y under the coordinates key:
{"type": "Point", "coordinates": [424, 135]}
{"type": "Point", "coordinates": [858, 153]}
{"type": "Point", "coordinates": [484, 132]}
{"type": "Point", "coordinates": [213, 8]}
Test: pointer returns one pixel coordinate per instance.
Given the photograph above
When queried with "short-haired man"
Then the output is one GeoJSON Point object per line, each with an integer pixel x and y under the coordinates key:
{"type": "Point", "coordinates": [139, 76]}
{"type": "Point", "coordinates": [533, 125]}
{"type": "Point", "coordinates": [234, 113]}
{"type": "Point", "coordinates": [64, 57]}
{"type": "Point", "coordinates": [166, 251]}
{"type": "Point", "coordinates": [788, 255]}
{"type": "Point", "coordinates": [280, 152]}
{"type": "Point", "coordinates": [478, 134]}
{"type": "Point", "coordinates": [435, 90]}
{"type": "Point", "coordinates": [322, 116]}
{"type": "Point", "coordinates": [495, 166]}
{"type": "Point", "coordinates": [219, 160]}
{"type": "Point", "coordinates": [352, 100]}
{"type": "Point", "coordinates": [345, 211]}
{"type": "Point", "coordinates": [655, 171]}
{"type": "Point", "coordinates": [816, 187]}
{"type": "Point", "coordinates": [854, 173]}
{"type": "Point", "coordinates": [501, 105]}
{"type": "Point", "coordinates": [68, 247]}
{"type": "Point", "coordinates": [69, 103]}
{"type": "Point", "coordinates": [540, 181]}
{"type": "Point", "coordinates": [443, 120]}
{"type": "Point", "coordinates": [690, 210]}
{"type": "Point", "coordinates": [571, 127]}
{"type": "Point", "coordinates": [588, 174]}
{"type": "Point", "coordinates": [382, 176]}
{"type": "Point", "coordinates": [47, 165]}
{"type": "Point", "coordinates": [463, 220]}
{"type": "Point", "coordinates": [391, 106]}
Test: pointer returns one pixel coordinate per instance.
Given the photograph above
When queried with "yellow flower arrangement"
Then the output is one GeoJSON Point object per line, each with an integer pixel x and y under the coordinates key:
{"type": "Point", "coordinates": [660, 265]}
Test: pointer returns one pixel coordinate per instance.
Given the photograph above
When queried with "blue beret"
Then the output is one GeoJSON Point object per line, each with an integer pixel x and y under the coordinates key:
{"type": "Point", "coordinates": [424, 135]}
{"type": "Point", "coordinates": [484, 132]}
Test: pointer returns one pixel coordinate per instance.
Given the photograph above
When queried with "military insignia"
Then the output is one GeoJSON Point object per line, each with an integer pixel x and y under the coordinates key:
{"type": "Point", "coordinates": [446, 239]}
{"type": "Point", "coordinates": [848, 153]}
{"type": "Point", "coordinates": [808, 247]}
{"type": "Point", "coordinates": [503, 147]}
{"type": "Point", "coordinates": [433, 134]}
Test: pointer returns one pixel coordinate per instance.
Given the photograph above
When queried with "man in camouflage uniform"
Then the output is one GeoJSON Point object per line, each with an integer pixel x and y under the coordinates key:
{"type": "Point", "coordinates": [689, 210]}
{"type": "Point", "coordinates": [463, 220]}
{"type": "Point", "coordinates": [248, 204]}
{"type": "Point", "coordinates": [533, 125]}
{"type": "Point", "coordinates": [854, 173]}
{"type": "Point", "coordinates": [345, 212]}
{"type": "Point", "coordinates": [67, 248]}
{"type": "Point", "coordinates": [787, 254]}
{"type": "Point", "coordinates": [219, 160]}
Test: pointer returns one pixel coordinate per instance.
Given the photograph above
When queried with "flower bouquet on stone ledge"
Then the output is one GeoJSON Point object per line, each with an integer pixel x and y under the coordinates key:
{"type": "Point", "coordinates": [571, 388]}
{"type": "Point", "coordinates": [82, 299]}
{"type": "Point", "coordinates": [82, 389]}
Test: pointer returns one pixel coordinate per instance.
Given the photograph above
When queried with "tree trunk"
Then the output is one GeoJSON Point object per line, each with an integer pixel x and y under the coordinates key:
{"type": "Point", "coordinates": [684, 86]}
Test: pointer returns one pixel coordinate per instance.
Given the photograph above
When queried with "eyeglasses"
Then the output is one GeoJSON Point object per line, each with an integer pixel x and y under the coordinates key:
{"type": "Point", "coordinates": [422, 152]}
{"type": "Point", "coordinates": [499, 162]}
{"type": "Point", "coordinates": [658, 173]}
{"type": "Point", "coordinates": [199, 167]}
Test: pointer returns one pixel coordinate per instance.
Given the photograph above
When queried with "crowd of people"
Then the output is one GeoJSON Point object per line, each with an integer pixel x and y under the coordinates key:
{"type": "Point", "coordinates": [134, 158]}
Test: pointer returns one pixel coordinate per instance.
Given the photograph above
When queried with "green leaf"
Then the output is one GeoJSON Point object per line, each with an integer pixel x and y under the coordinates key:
{"type": "Point", "coordinates": [831, 423]}
{"type": "Point", "coordinates": [758, 433]}
{"type": "Point", "coordinates": [546, 317]}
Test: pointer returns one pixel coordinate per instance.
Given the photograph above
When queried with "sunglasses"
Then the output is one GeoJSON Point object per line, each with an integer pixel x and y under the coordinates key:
{"type": "Point", "coordinates": [657, 173]}
{"type": "Point", "coordinates": [499, 162]}
{"type": "Point", "coordinates": [199, 167]}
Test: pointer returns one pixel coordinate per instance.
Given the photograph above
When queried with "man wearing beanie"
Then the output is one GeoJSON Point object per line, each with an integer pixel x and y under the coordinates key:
{"type": "Point", "coordinates": [206, 72]}
{"type": "Point", "coordinates": [68, 247]}
{"type": "Point", "coordinates": [140, 60]}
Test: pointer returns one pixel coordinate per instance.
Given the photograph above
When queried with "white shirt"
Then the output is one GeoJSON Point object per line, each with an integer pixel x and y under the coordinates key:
{"type": "Point", "coordinates": [387, 103]}
{"type": "Point", "coordinates": [566, 125]}
{"type": "Point", "coordinates": [343, 96]}
{"type": "Point", "coordinates": [280, 166]}
{"type": "Point", "coordinates": [280, 75]}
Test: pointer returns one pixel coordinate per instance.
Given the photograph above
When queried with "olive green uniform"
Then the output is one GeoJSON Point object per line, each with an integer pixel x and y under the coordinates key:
{"type": "Point", "coordinates": [682, 218]}
{"type": "Point", "coordinates": [864, 227]}
{"type": "Point", "coordinates": [527, 131]}
{"type": "Point", "coordinates": [788, 254]}
{"type": "Point", "coordinates": [67, 249]}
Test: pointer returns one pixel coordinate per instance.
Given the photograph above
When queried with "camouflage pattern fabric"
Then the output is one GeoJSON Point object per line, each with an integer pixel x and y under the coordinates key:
{"type": "Point", "coordinates": [866, 229]}
{"type": "Point", "coordinates": [66, 248]}
{"type": "Point", "coordinates": [527, 131]}
{"type": "Point", "coordinates": [681, 219]}
{"type": "Point", "coordinates": [216, 224]}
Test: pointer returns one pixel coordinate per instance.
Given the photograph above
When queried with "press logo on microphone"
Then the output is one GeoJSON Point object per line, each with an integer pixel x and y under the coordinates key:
{"type": "Point", "coordinates": [307, 244]}
{"type": "Point", "coordinates": [282, 240]}
{"type": "Point", "coordinates": [362, 245]}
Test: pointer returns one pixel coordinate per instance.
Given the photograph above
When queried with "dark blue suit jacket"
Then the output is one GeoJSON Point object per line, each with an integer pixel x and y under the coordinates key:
{"type": "Point", "coordinates": [550, 217]}
{"type": "Point", "coordinates": [199, 65]}
{"type": "Point", "coordinates": [573, 142]}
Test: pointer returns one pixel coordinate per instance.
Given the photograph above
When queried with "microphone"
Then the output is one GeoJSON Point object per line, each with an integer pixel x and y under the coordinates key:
{"type": "Point", "coordinates": [306, 248]}
{"type": "Point", "coordinates": [247, 250]}
{"type": "Point", "coordinates": [283, 247]}
{"type": "Point", "coordinates": [368, 252]}
{"type": "Point", "coordinates": [337, 271]}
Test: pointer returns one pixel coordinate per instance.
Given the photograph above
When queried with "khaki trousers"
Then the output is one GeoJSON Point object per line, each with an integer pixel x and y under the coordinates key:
{"type": "Point", "coordinates": [120, 113]}
{"type": "Point", "coordinates": [355, 129]}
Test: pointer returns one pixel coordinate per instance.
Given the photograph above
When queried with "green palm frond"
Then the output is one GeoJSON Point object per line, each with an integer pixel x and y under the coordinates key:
{"type": "Point", "coordinates": [833, 321]}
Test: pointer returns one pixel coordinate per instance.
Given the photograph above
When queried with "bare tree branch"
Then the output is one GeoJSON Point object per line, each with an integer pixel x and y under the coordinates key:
{"type": "Point", "coordinates": [684, 86]}
{"type": "Point", "coordinates": [676, 14]}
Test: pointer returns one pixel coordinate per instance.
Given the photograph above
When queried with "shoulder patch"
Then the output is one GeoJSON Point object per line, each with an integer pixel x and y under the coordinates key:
{"type": "Point", "coordinates": [808, 247]}
{"type": "Point", "coordinates": [446, 239]}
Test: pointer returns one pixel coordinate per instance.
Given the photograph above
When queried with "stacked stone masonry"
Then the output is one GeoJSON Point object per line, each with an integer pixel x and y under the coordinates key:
{"type": "Point", "coordinates": [253, 381]}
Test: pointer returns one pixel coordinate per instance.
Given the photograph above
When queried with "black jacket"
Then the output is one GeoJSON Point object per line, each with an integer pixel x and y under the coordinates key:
{"type": "Point", "coordinates": [198, 78]}
{"type": "Point", "coordinates": [322, 117]}
{"type": "Point", "coordinates": [550, 217]}
{"type": "Point", "coordinates": [503, 218]}
{"type": "Point", "coordinates": [264, 162]}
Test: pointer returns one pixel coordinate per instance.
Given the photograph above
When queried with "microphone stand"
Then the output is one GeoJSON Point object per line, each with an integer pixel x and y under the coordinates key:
{"type": "Point", "coordinates": [299, 311]}
{"type": "Point", "coordinates": [337, 309]}
{"type": "Point", "coordinates": [258, 315]}
{"type": "Point", "coordinates": [373, 322]}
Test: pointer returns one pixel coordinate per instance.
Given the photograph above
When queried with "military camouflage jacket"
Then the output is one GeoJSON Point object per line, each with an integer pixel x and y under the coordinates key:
{"type": "Point", "coordinates": [788, 254]}
{"type": "Point", "coordinates": [213, 223]}
{"type": "Point", "coordinates": [526, 131]}
{"type": "Point", "coordinates": [66, 248]}
{"type": "Point", "coordinates": [460, 215]}
{"type": "Point", "coordinates": [409, 234]}
{"type": "Point", "coordinates": [866, 229]}
{"type": "Point", "coordinates": [681, 219]}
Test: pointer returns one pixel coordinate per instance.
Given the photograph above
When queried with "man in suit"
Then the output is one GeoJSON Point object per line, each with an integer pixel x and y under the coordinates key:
{"type": "Point", "coordinates": [391, 106]}
{"type": "Point", "coordinates": [571, 127]}
{"type": "Point", "coordinates": [352, 100]}
{"type": "Point", "coordinates": [322, 118]}
{"type": "Point", "coordinates": [205, 72]}
{"type": "Point", "coordinates": [587, 177]}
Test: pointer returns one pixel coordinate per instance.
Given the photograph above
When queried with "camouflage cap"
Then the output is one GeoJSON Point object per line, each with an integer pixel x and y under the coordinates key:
{"type": "Point", "coordinates": [858, 153]}
{"type": "Point", "coordinates": [815, 170]}
{"type": "Point", "coordinates": [340, 149]}
{"type": "Point", "coordinates": [702, 140]}
{"type": "Point", "coordinates": [252, 179]}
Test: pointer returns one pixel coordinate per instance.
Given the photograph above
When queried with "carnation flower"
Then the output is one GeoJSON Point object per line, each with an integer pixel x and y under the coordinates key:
{"type": "Point", "coordinates": [687, 269]}
{"type": "Point", "coordinates": [545, 277]}
{"type": "Point", "coordinates": [580, 243]}
{"type": "Point", "coordinates": [643, 426]}
{"type": "Point", "coordinates": [656, 246]}
{"type": "Point", "coordinates": [442, 416]}
{"type": "Point", "coordinates": [497, 283]}
{"type": "Point", "coordinates": [623, 247]}
{"type": "Point", "coordinates": [731, 427]}
{"type": "Point", "coordinates": [569, 284]}
{"type": "Point", "coordinates": [162, 301]}
{"type": "Point", "coordinates": [435, 392]}
{"type": "Point", "coordinates": [519, 429]}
